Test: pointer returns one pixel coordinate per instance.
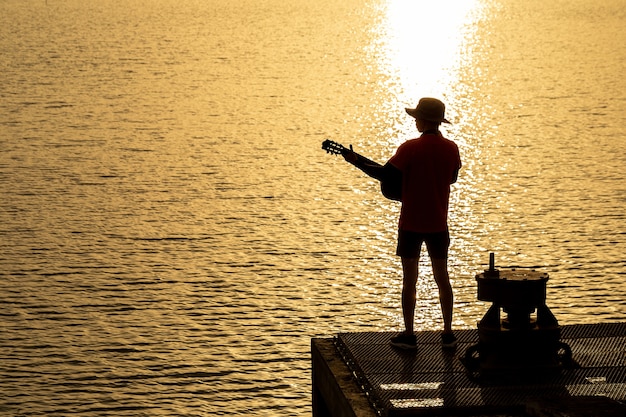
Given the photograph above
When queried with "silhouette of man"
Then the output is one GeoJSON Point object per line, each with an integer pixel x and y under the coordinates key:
{"type": "Point", "coordinates": [428, 165]}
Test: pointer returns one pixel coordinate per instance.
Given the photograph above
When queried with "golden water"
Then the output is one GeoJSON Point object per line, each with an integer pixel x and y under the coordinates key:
{"type": "Point", "coordinates": [172, 235]}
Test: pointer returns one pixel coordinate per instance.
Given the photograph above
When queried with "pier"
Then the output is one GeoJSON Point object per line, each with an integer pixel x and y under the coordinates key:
{"type": "Point", "coordinates": [361, 375]}
{"type": "Point", "coordinates": [518, 362]}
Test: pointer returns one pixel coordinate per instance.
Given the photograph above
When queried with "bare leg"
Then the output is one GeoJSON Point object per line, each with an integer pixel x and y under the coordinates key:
{"type": "Point", "coordinates": [446, 297]}
{"type": "Point", "coordinates": [409, 281]}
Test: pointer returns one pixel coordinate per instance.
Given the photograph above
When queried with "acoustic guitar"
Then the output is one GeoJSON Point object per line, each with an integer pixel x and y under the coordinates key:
{"type": "Point", "coordinates": [391, 188]}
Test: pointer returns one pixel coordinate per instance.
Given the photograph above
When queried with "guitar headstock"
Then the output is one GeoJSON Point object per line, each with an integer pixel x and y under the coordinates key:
{"type": "Point", "coordinates": [333, 147]}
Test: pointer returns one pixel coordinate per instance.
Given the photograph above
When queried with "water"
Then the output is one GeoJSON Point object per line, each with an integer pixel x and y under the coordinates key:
{"type": "Point", "coordinates": [173, 235]}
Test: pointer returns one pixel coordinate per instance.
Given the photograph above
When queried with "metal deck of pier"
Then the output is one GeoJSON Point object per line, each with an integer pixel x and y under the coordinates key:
{"type": "Point", "coordinates": [431, 381]}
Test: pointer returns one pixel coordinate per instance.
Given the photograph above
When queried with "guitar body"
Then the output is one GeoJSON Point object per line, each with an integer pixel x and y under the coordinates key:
{"type": "Point", "coordinates": [391, 188]}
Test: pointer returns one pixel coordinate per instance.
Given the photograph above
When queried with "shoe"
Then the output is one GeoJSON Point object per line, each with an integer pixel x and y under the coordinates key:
{"type": "Point", "coordinates": [448, 341]}
{"type": "Point", "coordinates": [404, 341]}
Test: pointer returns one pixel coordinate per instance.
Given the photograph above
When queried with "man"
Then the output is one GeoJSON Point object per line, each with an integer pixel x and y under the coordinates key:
{"type": "Point", "coordinates": [429, 164]}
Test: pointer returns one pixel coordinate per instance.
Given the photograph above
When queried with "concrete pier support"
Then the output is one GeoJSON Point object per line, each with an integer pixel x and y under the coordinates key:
{"type": "Point", "coordinates": [335, 391]}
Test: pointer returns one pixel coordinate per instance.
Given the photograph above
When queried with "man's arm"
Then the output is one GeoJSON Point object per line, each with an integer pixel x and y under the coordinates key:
{"type": "Point", "coordinates": [375, 170]}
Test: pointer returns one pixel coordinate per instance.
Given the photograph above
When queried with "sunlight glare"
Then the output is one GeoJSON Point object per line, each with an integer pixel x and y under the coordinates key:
{"type": "Point", "coordinates": [424, 45]}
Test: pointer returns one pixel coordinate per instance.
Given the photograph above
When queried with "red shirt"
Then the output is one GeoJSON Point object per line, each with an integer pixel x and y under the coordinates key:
{"type": "Point", "coordinates": [429, 164]}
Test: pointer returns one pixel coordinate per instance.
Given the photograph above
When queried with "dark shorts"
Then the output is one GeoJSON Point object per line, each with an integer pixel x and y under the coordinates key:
{"type": "Point", "coordinates": [410, 244]}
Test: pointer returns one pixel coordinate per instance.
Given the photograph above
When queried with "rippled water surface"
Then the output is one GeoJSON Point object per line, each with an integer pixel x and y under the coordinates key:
{"type": "Point", "coordinates": [172, 235]}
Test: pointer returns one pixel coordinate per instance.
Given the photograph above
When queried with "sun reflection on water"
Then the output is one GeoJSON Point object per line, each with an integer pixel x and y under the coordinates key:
{"type": "Point", "coordinates": [424, 44]}
{"type": "Point", "coordinates": [423, 49]}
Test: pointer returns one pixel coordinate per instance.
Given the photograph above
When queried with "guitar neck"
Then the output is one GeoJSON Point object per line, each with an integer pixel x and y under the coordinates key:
{"type": "Point", "coordinates": [390, 177]}
{"type": "Point", "coordinates": [362, 162]}
{"type": "Point", "coordinates": [366, 161]}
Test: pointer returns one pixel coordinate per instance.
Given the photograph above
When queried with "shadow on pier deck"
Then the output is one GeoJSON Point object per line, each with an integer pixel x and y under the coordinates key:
{"type": "Point", "coordinates": [360, 374]}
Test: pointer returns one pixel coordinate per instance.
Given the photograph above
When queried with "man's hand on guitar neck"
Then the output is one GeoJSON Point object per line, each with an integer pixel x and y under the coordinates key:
{"type": "Point", "coordinates": [349, 155]}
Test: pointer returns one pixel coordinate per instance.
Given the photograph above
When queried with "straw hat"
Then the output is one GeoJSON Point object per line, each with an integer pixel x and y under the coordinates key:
{"type": "Point", "coordinates": [429, 109]}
